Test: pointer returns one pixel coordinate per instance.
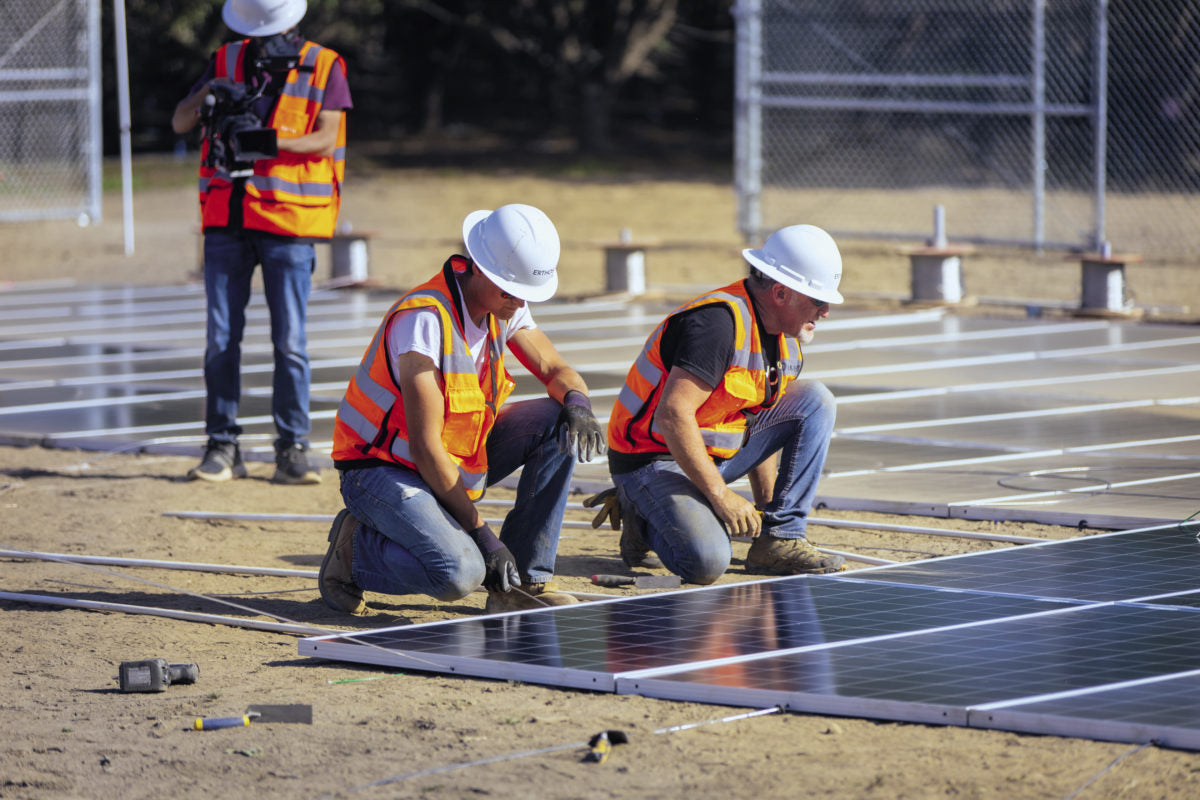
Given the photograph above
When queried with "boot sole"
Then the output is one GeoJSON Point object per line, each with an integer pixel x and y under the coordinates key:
{"type": "Point", "coordinates": [226, 474]}
{"type": "Point", "coordinates": [814, 571]}
{"type": "Point", "coordinates": [307, 479]}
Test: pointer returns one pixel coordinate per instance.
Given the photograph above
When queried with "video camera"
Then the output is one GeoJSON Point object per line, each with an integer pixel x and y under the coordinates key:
{"type": "Point", "coordinates": [236, 135]}
{"type": "Point", "coordinates": [235, 132]}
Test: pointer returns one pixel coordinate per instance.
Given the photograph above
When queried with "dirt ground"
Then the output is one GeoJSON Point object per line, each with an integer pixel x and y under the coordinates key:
{"type": "Point", "coordinates": [67, 732]}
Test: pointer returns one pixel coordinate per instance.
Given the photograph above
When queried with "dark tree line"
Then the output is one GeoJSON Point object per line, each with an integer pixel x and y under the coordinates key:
{"type": "Point", "coordinates": [598, 74]}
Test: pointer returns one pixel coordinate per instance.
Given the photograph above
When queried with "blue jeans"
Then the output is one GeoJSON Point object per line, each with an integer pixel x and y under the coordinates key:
{"type": "Point", "coordinates": [679, 522]}
{"type": "Point", "coordinates": [287, 266]}
{"type": "Point", "coordinates": [407, 543]}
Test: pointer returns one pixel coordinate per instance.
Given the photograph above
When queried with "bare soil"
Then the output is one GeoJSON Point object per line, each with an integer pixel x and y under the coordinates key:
{"type": "Point", "coordinates": [66, 731]}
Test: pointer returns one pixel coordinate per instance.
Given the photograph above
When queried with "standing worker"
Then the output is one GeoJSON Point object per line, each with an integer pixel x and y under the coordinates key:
{"type": "Point", "coordinates": [272, 164]}
{"type": "Point", "coordinates": [422, 432]}
{"type": "Point", "coordinates": [714, 396]}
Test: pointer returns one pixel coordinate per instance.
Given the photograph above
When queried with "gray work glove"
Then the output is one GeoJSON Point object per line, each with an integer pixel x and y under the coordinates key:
{"type": "Point", "coordinates": [501, 573]}
{"type": "Point", "coordinates": [578, 429]}
{"type": "Point", "coordinates": [610, 508]}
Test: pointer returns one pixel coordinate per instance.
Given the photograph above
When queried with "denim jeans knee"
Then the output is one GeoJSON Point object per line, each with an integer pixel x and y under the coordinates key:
{"type": "Point", "coordinates": [680, 525]}
{"type": "Point", "coordinates": [407, 543]}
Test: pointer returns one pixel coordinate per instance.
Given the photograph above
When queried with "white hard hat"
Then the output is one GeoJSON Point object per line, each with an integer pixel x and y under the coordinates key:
{"type": "Point", "coordinates": [801, 257]}
{"type": "Point", "coordinates": [263, 17]}
{"type": "Point", "coordinates": [517, 248]}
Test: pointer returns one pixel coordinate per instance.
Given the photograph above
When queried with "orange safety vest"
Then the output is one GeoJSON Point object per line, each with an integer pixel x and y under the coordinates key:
{"type": "Point", "coordinates": [723, 417]}
{"type": "Point", "coordinates": [293, 194]}
{"type": "Point", "coordinates": [370, 424]}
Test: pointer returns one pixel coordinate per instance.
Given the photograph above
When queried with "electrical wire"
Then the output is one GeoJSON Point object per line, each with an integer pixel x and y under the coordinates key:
{"type": "Point", "coordinates": [1109, 768]}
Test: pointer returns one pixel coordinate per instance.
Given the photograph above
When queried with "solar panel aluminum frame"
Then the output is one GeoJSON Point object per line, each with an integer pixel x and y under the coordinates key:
{"type": "Point", "coordinates": [1082, 727]}
{"type": "Point", "coordinates": [330, 649]}
{"type": "Point", "coordinates": [803, 702]}
{"type": "Point", "coordinates": [1033, 714]}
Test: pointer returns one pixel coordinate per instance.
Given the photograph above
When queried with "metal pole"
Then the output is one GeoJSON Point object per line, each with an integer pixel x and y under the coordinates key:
{"type": "Point", "coordinates": [122, 56]}
{"type": "Point", "coordinates": [191, 616]}
{"type": "Point", "coordinates": [1101, 121]}
{"type": "Point", "coordinates": [112, 561]}
{"type": "Point", "coordinates": [95, 151]}
{"type": "Point", "coordinates": [1039, 123]}
{"type": "Point", "coordinates": [748, 116]}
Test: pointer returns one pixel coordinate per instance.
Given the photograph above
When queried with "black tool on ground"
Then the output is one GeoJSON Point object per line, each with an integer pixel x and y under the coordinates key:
{"type": "Point", "coordinates": [639, 581]}
{"type": "Point", "coordinates": [155, 675]}
{"type": "Point", "coordinates": [600, 745]}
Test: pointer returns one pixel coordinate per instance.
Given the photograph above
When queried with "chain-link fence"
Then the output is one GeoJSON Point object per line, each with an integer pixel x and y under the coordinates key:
{"type": "Point", "coordinates": [50, 145]}
{"type": "Point", "coordinates": [1055, 125]}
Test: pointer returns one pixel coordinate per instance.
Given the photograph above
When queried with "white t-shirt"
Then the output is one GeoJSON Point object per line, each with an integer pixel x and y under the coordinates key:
{"type": "Point", "coordinates": [419, 330]}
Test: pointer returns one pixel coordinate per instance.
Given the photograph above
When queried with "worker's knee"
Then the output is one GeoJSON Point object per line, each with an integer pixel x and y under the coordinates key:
{"type": "Point", "coordinates": [704, 567]}
{"type": "Point", "coordinates": [456, 581]}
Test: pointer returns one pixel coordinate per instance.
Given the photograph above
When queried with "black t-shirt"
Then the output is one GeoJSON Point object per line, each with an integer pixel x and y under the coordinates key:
{"type": "Point", "coordinates": [700, 340]}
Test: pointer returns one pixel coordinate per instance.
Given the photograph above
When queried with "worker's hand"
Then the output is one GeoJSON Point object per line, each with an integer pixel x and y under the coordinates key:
{"type": "Point", "coordinates": [740, 516]}
{"type": "Point", "coordinates": [501, 573]}
{"type": "Point", "coordinates": [577, 427]}
{"type": "Point", "coordinates": [610, 507]}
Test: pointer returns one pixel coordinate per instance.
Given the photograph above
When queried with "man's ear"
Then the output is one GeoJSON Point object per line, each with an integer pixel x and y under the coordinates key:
{"type": "Point", "coordinates": [779, 293]}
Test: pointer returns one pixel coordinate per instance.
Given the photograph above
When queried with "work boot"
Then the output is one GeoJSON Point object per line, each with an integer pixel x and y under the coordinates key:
{"type": "Point", "coordinates": [292, 467]}
{"type": "Point", "coordinates": [770, 555]}
{"type": "Point", "coordinates": [635, 550]}
{"type": "Point", "coordinates": [529, 597]}
{"type": "Point", "coordinates": [222, 461]}
{"type": "Point", "coordinates": [336, 579]}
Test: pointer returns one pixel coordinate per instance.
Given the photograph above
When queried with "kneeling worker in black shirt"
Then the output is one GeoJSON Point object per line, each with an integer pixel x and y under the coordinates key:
{"type": "Point", "coordinates": [714, 396]}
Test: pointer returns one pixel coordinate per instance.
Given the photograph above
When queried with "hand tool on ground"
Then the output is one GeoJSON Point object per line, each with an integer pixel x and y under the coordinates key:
{"type": "Point", "coordinates": [294, 712]}
{"type": "Point", "coordinates": [154, 675]}
{"type": "Point", "coordinates": [639, 581]}
{"type": "Point", "coordinates": [602, 744]}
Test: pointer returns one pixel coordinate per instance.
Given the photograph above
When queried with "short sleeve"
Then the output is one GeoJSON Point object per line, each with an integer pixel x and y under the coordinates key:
{"type": "Point", "coordinates": [521, 321]}
{"type": "Point", "coordinates": [701, 341]}
{"type": "Point", "coordinates": [337, 89]}
{"type": "Point", "coordinates": [416, 330]}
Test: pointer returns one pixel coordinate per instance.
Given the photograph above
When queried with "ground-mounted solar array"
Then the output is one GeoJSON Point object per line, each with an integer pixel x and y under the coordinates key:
{"type": "Point", "coordinates": [1088, 422]}
{"type": "Point", "coordinates": [1047, 656]}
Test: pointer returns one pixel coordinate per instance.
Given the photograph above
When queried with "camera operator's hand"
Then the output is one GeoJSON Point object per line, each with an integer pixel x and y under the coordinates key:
{"type": "Point", "coordinates": [220, 83]}
{"type": "Point", "coordinates": [187, 113]}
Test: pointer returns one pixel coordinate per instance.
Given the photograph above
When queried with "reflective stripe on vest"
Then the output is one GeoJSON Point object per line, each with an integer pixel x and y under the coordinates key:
{"type": "Point", "coordinates": [722, 418]}
{"type": "Point", "coordinates": [292, 194]}
{"type": "Point", "coordinates": [370, 421]}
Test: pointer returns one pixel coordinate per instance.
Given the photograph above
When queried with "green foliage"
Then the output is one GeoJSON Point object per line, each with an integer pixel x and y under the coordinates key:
{"type": "Point", "coordinates": [525, 70]}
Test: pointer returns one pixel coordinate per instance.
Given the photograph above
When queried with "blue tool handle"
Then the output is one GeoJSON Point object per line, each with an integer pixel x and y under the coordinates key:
{"type": "Point", "coordinates": [222, 722]}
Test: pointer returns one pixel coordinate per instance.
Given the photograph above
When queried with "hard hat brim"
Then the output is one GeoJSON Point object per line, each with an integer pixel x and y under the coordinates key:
{"type": "Point", "coordinates": [790, 279]}
{"type": "Point", "coordinates": [471, 235]}
{"type": "Point", "coordinates": [248, 27]}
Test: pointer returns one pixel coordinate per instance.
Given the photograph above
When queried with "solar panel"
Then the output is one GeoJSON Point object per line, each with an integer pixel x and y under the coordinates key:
{"type": "Point", "coordinates": [1115, 566]}
{"type": "Point", "coordinates": [1015, 638]}
{"type": "Point", "coordinates": [592, 642]}
{"type": "Point", "coordinates": [1165, 711]}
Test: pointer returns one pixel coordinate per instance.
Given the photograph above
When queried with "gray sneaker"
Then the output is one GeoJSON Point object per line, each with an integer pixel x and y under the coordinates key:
{"type": "Point", "coordinates": [222, 462]}
{"type": "Point", "coordinates": [770, 555]}
{"type": "Point", "coordinates": [292, 466]}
